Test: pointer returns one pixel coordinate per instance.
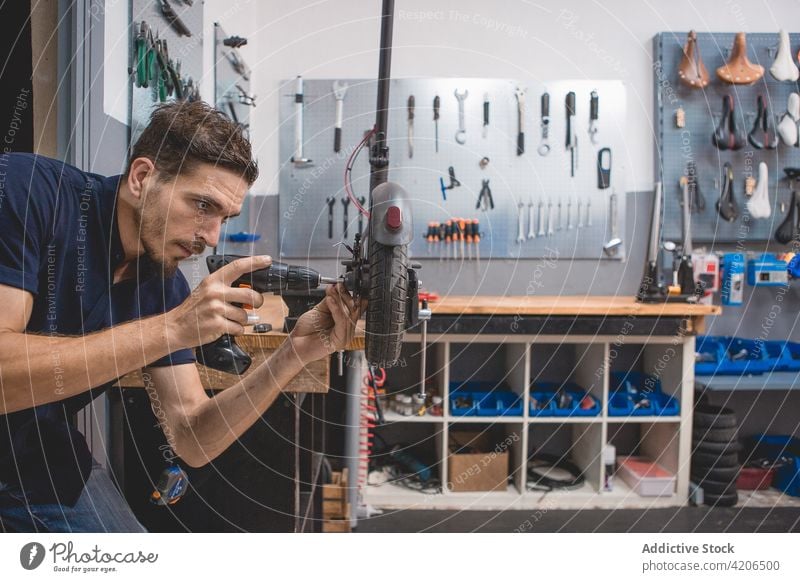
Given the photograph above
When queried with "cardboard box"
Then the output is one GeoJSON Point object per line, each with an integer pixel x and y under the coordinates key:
{"type": "Point", "coordinates": [476, 463]}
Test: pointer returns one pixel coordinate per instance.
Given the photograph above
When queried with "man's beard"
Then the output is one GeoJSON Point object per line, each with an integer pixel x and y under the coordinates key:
{"type": "Point", "coordinates": [152, 227]}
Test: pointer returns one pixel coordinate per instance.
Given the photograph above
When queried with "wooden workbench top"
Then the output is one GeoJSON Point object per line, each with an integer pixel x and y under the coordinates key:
{"type": "Point", "coordinates": [564, 305]}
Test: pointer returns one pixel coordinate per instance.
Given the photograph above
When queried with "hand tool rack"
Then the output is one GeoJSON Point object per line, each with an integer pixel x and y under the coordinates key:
{"type": "Point", "coordinates": [513, 179]}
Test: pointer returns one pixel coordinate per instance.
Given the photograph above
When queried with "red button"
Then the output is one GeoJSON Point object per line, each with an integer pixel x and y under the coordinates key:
{"type": "Point", "coordinates": [393, 219]}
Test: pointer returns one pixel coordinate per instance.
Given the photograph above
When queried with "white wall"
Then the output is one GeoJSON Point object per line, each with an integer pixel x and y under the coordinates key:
{"type": "Point", "coordinates": [545, 39]}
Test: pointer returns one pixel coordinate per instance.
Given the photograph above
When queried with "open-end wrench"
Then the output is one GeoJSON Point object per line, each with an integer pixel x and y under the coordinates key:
{"type": "Point", "coordinates": [339, 90]}
{"type": "Point", "coordinates": [569, 214]}
{"type": "Point", "coordinates": [544, 125]}
{"type": "Point", "coordinates": [550, 217]}
{"type": "Point", "coordinates": [298, 159]}
{"type": "Point", "coordinates": [520, 222]}
{"type": "Point", "coordinates": [531, 220]}
{"type": "Point", "coordinates": [461, 134]}
{"type": "Point", "coordinates": [560, 224]}
{"type": "Point", "coordinates": [541, 218]}
{"type": "Point", "coordinates": [520, 93]}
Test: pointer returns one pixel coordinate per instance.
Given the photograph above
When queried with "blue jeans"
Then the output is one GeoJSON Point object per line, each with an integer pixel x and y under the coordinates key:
{"type": "Point", "coordinates": [100, 508]}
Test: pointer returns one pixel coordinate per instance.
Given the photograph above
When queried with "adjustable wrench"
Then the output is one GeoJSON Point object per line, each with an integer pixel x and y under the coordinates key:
{"type": "Point", "coordinates": [339, 90]}
{"type": "Point", "coordinates": [520, 93]}
{"type": "Point", "coordinates": [544, 125]}
{"type": "Point", "coordinates": [572, 138]}
{"type": "Point", "coordinates": [531, 220]}
{"type": "Point", "coordinates": [461, 134]}
{"type": "Point", "coordinates": [521, 222]}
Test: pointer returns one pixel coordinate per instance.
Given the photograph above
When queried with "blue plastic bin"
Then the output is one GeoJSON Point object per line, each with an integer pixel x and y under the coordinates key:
{"type": "Point", "coordinates": [485, 399]}
{"type": "Point", "coordinates": [548, 392]}
{"type": "Point", "coordinates": [754, 362]}
{"type": "Point", "coordinates": [631, 388]}
{"type": "Point", "coordinates": [710, 348]}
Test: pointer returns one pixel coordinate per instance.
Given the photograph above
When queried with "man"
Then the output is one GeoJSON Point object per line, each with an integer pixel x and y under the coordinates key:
{"type": "Point", "coordinates": [90, 290]}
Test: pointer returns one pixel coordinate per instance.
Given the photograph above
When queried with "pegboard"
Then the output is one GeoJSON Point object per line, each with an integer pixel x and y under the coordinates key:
{"type": "Point", "coordinates": [187, 50]}
{"type": "Point", "coordinates": [512, 178]}
{"type": "Point", "coordinates": [232, 93]}
{"type": "Point", "coordinates": [677, 146]}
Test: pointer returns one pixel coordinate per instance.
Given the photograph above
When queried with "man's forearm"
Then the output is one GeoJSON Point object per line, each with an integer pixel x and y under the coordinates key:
{"type": "Point", "coordinates": [39, 369]}
{"type": "Point", "coordinates": [216, 423]}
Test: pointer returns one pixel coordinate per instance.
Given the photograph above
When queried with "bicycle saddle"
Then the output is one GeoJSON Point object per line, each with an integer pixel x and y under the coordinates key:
{"type": "Point", "coordinates": [784, 69]}
{"type": "Point", "coordinates": [787, 126]}
{"type": "Point", "coordinates": [691, 70]}
{"type": "Point", "coordinates": [739, 70]}
{"type": "Point", "coordinates": [763, 135]}
{"type": "Point", "coordinates": [727, 134]}
{"type": "Point", "coordinates": [726, 205]}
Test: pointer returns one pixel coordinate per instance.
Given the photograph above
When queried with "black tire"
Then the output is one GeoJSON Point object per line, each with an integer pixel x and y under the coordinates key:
{"type": "Point", "coordinates": [707, 416]}
{"type": "Point", "coordinates": [386, 310]}
{"type": "Point", "coordinates": [714, 435]}
{"type": "Point", "coordinates": [726, 500]}
{"type": "Point", "coordinates": [700, 473]}
{"type": "Point", "coordinates": [718, 487]}
{"type": "Point", "coordinates": [715, 459]}
{"type": "Point", "coordinates": [716, 448]}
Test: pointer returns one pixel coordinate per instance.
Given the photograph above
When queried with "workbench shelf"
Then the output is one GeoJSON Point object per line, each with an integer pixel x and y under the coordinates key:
{"type": "Point", "coordinates": [516, 362]}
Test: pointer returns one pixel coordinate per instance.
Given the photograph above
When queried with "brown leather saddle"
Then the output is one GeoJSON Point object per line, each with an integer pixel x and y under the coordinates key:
{"type": "Point", "coordinates": [692, 71]}
{"type": "Point", "coordinates": [739, 70]}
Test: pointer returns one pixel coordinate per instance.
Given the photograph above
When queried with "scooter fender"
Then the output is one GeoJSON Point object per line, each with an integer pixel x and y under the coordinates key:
{"type": "Point", "coordinates": [390, 219]}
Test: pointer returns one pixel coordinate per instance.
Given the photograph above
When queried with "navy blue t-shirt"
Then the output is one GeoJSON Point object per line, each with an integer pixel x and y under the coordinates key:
{"type": "Point", "coordinates": [59, 240]}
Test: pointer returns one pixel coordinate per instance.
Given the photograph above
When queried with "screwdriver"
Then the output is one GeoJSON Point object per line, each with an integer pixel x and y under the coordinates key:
{"type": "Point", "coordinates": [436, 102]}
{"type": "Point", "coordinates": [468, 233]}
{"type": "Point", "coordinates": [476, 237]}
{"type": "Point", "coordinates": [430, 236]}
{"type": "Point", "coordinates": [462, 234]}
{"type": "Point", "coordinates": [441, 238]}
{"type": "Point", "coordinates": [448, 237]}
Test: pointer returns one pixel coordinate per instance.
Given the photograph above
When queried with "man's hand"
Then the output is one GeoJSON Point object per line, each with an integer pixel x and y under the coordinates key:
{"type": "Point", "coordinates": [209, 311]}
{"type": "Point", "coordinates": [327, 328]}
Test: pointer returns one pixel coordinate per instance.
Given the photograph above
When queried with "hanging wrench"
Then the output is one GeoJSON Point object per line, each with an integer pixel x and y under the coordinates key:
{"type": "Point", "coordinates": [569, 214]}
{"type": "Point", "coordinates": [461, 134]}
{"type": "Point", "coordinates": [339, 90]}
{"type": "Point", "coordinates": [361, 200]}
{"type": "Point", "coordinates": [560, 223]}
{"type": "Point", "coordinates": [521, 223]}
{"type": "Point", "coordinates": [531, 220]}
{"type": "Point", "coordinates": [594, 106]}
{"type": "Point", "coordinates": [544, 125]}
{"type": "Point", "coordinates": [580, 213]}
{"type": "Point", "coordinates": [550, 217]}
{"type": "Point", "coordinates": [520, 93]}
{"type": "Point", "coordinates": [541, 217]}
{"type": "Point", "coordinates": [346, 204]}
{"type": "Point", "coordinates": [588, 212]}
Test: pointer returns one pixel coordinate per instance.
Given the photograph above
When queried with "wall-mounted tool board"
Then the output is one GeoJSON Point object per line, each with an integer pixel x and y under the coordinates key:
{"type": "Point", "coordinates": [231, 81]}
{"type": "Point", "coordinates": [186, 49]}
{"type": "Point", "coordinates": [513, 179]}
{"type": "Point", "coordinates": [676, 146]}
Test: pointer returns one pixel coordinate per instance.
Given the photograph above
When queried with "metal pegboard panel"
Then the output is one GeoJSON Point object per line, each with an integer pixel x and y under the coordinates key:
{"type": "Point", "coordinates": [677, 146]}
{"type": "Point", "coordinates": [231, 81]}
{"type": "Point", "coordinates": [187, 50]}
{"type": "Point", "coordinates": [513, 179]}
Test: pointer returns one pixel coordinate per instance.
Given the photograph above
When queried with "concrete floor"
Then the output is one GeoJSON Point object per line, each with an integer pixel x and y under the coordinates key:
{"type": "Point", "coordinates": [687, 519]}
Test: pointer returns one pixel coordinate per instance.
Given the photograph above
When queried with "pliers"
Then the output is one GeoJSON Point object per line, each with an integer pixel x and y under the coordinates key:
{"type": "Point", "coordinates": [485, 200]}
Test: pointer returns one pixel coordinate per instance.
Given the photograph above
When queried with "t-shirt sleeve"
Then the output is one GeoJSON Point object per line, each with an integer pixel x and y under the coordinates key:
{"type": "Point", "coordinates": [22, 230]}
{"type": "Point", "coordinates": [176, 290]}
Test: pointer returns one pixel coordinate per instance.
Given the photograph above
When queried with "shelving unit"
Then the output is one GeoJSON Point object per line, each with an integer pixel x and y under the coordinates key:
{"type": "Point", "coordinates": [519, 360]}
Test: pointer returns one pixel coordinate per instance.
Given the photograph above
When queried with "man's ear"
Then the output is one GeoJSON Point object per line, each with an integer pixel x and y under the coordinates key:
{"type": "Point", "coordinates": [141, 177]}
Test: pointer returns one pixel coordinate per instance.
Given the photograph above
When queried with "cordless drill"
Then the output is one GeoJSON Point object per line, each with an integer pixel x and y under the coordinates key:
{"type": "Point", "coordinates": [224, 354]}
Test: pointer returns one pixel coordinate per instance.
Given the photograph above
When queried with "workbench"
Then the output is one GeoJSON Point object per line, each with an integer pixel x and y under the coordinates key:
{"type": "Point", "coordinates": [518, 341]}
